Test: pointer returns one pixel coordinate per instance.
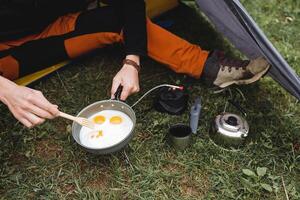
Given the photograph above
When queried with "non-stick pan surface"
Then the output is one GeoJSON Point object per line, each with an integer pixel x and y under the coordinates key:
{"type": "Point", "coordinates": [100, 106]}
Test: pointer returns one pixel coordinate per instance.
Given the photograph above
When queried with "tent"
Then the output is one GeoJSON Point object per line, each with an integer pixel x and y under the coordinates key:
{"type": "Point", "coordinates": [233, 21]}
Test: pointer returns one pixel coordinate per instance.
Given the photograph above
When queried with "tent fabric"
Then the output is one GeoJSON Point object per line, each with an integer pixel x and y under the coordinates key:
{"type": "Point", "coordinates": [234, 22]}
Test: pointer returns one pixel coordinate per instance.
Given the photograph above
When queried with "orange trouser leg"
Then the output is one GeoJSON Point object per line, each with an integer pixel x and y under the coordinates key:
{"type": "Point", "coordinates": [175, 52]}
{"type": "Point", "coordinates": [163, 46]}
{"type": "Point", "coordinates": [84, 44]}
{"type": "Point", "coordinates": [9, 67]}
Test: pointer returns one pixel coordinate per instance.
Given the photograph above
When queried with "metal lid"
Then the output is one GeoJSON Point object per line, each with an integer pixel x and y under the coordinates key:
{"type": "Point", "coordinates": [232, 125]}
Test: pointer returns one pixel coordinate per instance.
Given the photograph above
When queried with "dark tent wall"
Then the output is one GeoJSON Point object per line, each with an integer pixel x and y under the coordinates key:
{"type": "Point", "coordinates": [233, 21]}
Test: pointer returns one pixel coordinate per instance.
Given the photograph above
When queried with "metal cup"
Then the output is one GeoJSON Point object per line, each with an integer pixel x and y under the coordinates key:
{"type": "Point", "coordinates": [180, 136]}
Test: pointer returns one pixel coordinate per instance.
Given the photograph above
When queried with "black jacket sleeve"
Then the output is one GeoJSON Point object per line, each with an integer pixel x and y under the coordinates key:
{"type": "Point", "coordinates": [133, 15]}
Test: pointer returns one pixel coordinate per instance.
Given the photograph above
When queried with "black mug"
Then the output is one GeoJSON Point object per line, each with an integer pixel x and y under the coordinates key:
{"type": "Point", "coordinates": [180, 136]}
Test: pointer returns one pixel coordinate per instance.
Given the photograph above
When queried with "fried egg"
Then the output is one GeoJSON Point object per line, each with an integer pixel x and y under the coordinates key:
{"type": "Point", "coordinates": [111, 127]}
{"type": "Point", "coordinates": [116, 120]}
{"type": "Point", "coordinates": [99, 119]}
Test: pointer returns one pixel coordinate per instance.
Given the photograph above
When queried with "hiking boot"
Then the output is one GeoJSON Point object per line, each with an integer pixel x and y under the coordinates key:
{"type": "Point", "coordinates": [222, 72]}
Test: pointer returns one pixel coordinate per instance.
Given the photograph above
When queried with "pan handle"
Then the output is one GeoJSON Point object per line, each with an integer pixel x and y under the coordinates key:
{"type": "Point", "coordinates": [118, 93]}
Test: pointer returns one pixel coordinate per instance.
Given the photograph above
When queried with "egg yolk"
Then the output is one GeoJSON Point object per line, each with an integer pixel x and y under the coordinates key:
{"type": "Point", "coordinates": [100, 134]}
{"type": "Point", "coordinates": [96, 134]}
{"type": "Point", "coordinates": [115, 120]}
{"type": "Point", "coordinates": [99, 119]}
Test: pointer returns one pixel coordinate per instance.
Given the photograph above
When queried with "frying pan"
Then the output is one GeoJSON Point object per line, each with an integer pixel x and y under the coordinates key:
{"type": "Point", "coordinates": [112, 104]}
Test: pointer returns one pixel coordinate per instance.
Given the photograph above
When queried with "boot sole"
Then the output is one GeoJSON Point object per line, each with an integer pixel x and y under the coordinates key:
{"type": "Point", "coordinates": [246, 82]}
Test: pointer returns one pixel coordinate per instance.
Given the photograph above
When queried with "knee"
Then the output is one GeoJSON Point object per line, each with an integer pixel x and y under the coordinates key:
{"type": "Point", "coordinates": [9, 67]}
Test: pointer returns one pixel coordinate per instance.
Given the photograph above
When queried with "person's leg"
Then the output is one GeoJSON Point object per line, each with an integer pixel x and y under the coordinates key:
{"type": "Point", "coordinates": [171, 50]}
{"type": "Point", "coordinates": [97, 28]}
{"type": "Point", "coordinates": [216, 69]}
{"type": "Point", "coordinates": [163, 46]}
{"type": "Point", "coordinates": [175, 52]}
{"type": "Point", "coordinates": [9, 67]}
{"type": "Point", "coordinates": [28, 52]}
{"type": "Point", "coordinates": [91, 30]}
{"type": "Point", "coordinates": [94, 29]}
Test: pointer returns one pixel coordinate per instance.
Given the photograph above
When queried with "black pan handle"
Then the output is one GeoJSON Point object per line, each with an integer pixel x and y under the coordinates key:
{"type": "Point", "coordinates": [118, 93]}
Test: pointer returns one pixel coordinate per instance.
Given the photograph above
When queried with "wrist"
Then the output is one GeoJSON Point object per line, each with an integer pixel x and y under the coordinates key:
{"type": "Point", "coordinates": [130, 68]}
{"type": "Point", "coordinates": [133, 61]}
{"type": "Point", "coordinates": [5, 86]}
{"type": "Point", "coordinates": [134, 58]}
{"type": "Point", "coordinates": [131, 64]}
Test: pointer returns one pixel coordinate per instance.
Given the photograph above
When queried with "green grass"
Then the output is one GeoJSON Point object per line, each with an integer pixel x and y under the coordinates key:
{"type": "Point", "coordinates": [45, 162]}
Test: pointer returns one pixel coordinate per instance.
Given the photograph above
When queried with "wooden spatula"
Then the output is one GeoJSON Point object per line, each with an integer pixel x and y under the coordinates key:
{"type": "Point", "coordinates": [80, 120]}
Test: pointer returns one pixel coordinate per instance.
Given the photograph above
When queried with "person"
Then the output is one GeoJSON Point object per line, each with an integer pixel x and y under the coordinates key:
{"type": "Point", "coordinates": [39, 33]}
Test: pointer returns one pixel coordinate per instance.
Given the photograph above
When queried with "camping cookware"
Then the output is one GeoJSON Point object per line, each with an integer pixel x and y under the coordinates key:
{"type": "Point", "coordinates": [173, 102]}
{"type": "Point", "coordinates": [180, 136]}
{"type": "Point", "coordinates": [112, 104]}
{"type": "Point", "coordinates": [230, 130]}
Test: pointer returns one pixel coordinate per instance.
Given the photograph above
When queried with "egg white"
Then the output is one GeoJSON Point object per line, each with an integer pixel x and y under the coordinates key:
{"type": "Point", "coordinates": [112, 133]}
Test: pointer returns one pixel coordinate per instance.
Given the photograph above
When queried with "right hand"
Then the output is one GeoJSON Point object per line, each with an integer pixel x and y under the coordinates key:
{"type": "Point", "coordinates": [28, 106]}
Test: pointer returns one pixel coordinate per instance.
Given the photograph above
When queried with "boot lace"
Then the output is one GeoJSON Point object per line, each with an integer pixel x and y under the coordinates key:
{"type": "Point", "coordinates": [231, 63]}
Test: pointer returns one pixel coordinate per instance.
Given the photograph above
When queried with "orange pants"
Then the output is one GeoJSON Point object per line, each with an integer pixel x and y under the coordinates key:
{"type": "Point", "coordinates": [17, 59]}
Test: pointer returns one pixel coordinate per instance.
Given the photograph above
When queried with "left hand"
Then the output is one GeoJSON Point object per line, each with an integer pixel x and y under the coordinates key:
{"type": "Point", "coordinates": [128, 77]}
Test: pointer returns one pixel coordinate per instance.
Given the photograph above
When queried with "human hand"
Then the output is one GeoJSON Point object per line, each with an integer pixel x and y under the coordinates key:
{"type": "Point", "coordinates": [128, 77]}
{"type": "Point", "coordinates": [28, 106]}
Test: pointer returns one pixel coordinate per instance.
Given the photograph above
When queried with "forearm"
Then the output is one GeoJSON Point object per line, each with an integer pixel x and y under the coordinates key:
{"type": "Point", "coordinates": [133, 15]}
{"type": "Point", "coordinates": [135, 29]}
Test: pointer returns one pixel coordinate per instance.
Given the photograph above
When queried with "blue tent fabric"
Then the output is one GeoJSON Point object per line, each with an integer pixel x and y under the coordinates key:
{"type": "Point", "coordinates": [234, 22]}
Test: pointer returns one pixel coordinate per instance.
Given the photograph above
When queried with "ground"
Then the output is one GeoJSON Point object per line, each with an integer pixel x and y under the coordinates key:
{"type": "Point", "coordinates": [45, 162]}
